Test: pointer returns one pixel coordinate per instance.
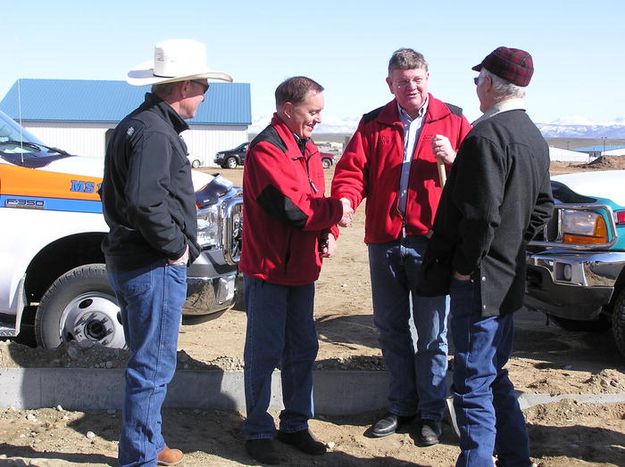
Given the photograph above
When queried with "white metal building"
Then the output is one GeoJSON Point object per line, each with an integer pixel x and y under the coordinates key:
{"type": "Point", "coordinates": [75, 115]}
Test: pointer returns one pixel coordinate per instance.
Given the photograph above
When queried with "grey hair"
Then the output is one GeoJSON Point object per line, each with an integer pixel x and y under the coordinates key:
{"type": "Point", "coordinates": [406, 59]}
{"type": "Point", "coordinates": [164, 90]}
{"type": "Point", "coordinates": [503, 88]}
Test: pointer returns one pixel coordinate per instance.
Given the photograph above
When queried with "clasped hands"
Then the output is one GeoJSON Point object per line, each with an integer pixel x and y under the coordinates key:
{"type": "Point", "coordinates": [348, 213]}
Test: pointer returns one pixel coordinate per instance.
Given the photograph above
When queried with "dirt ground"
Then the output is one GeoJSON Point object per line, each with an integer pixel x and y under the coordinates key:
{"type": "Point", "coordinates": [547, 360]}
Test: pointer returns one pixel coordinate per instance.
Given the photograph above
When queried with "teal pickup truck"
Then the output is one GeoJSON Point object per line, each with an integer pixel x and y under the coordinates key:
{"type": "Point", "coordinates": [576, 267]}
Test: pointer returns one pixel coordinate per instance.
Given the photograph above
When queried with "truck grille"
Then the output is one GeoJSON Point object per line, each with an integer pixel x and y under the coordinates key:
{"type": "Point", "coordinates": [232, 230]}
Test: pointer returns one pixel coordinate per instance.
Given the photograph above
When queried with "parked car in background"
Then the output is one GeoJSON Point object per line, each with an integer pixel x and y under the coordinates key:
{"type": "Point", "coordinates": [576, 268]}
{"type": "Point", "coordinates": [52, 271]}
{"type": "Point", "coordinates": [231, 158]}
{"type": "Point", "coordinates": [328, 159]}
{"type": "Point", "coordinates": [194, 161]}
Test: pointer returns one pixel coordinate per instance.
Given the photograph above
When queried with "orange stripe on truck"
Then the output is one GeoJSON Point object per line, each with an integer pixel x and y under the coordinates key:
{"type": "Point", "coordinates": [21, 181]}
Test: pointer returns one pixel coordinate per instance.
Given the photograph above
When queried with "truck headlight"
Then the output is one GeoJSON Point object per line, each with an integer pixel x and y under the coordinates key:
{"type": "Point", "coordinates": [209, 225]}
{"type": "Point", "coordinates": [583, 227]}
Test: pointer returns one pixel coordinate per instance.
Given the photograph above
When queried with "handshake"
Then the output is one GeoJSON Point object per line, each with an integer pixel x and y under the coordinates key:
{"type": "Point", "coordinates": [348, 213]}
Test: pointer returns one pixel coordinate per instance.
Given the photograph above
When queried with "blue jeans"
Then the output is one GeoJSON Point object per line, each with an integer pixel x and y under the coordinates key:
{"type": "Point", "coordinates": [151, 300]}
{"type": "Point", "coordinates": [280, 333]}
{"type": "Point", "coordinates": [413, 329]}
{"type": "Point", "coordinates": [487, 411]}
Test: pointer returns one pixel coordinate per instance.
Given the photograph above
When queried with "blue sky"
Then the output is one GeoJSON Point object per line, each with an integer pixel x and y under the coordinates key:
{"type": "Point", "coordinates": [578, 47]}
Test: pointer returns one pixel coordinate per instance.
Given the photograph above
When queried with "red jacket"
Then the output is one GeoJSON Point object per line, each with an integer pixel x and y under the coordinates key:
{"type": "Point", "coordinates": [371, 167]}
{"type": "Point", "coordinates": [284, 208]}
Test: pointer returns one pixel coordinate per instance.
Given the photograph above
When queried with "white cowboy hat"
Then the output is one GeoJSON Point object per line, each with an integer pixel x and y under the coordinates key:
{"type": "Point", "coordinates": [175, 60]}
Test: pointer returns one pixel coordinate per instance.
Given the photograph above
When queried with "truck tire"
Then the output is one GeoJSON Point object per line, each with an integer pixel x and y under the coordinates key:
{"type": "Point", "coordinates": [618, 321]}
{"type": "Point", "coordinates": [80, 306]}
{"type": "Point", "coordinates": [326, 163]}
{"type": "Point", "coordinates": [231, 163]}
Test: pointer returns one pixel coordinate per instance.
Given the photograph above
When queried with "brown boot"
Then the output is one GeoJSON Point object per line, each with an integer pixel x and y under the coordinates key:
{"type": "Point", "coordinates": [169, 456]}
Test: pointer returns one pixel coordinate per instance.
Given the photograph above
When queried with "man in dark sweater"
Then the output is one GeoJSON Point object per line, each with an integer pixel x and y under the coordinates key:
{"type": "Point", "coordinates": [148, 202]}
{"type": "Point", "coordinates": [497, 197]}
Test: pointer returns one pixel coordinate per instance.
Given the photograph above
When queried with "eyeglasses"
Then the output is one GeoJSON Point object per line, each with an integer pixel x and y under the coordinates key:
{"type": "Point", "coordinates": [404, 83]}
{"type": "Point", "coordinates": [205, 85]}
{"type": "Point", "coordinates": [476, 80]}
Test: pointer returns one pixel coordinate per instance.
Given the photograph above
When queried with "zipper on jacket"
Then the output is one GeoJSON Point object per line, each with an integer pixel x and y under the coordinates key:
{"type": "Point", "coordinates": [310, 180]}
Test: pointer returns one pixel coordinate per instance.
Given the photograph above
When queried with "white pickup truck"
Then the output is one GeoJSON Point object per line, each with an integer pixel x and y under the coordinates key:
{"type": "Point", "coordinates": [52, 270]}
{"type": "Point", "coordinates": [576, 268]}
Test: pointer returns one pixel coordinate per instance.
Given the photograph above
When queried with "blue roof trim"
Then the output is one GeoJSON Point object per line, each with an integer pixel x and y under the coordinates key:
{"type": "Point", "coordinates": [101, 101]}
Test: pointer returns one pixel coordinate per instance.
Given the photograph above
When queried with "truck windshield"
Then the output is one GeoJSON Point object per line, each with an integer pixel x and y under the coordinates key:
{"type": "Point", "coordinates": [20, 147]}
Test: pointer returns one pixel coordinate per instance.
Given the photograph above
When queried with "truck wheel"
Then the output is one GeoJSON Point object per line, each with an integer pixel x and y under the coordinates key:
{"type": "Point", "coordinates": [195, 163]}
{"type": "Point", "coordinates": [618, 321]}
{"type": "Point", "coordinates": [80, 306]}
{"type": "Point", "coordinates": [231, 163]}
{"type": "Point", "coordinates": [326, 163]}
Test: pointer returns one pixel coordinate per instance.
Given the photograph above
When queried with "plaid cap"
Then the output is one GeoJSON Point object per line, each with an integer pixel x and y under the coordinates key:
{"type": "Point", "coordinates": [513, 65]}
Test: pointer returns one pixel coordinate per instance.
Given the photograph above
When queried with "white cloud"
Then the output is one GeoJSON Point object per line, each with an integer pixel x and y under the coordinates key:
{"type": "Point", "coordinates": [573, 120]}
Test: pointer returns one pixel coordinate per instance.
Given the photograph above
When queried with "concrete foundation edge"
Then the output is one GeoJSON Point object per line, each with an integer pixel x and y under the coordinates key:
{"type": "Point", "coordinates": [335, 392]}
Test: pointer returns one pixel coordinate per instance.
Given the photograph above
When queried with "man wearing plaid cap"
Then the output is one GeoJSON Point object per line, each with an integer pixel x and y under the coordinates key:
{"type": "Point", "coordinates": [497, 197]}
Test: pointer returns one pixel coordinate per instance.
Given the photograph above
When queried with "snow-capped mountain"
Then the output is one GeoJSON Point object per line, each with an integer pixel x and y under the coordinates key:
{"type": "Point", "coordinates": [555, 130]}
{"type": "Point", "coordinates": [582, 127]}
{"type": "Point", "coordinates": [568, 127]}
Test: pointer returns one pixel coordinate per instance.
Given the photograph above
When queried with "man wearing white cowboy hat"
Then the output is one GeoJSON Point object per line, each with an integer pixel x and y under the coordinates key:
{"type": "Point", "coordinates": [149, 204]}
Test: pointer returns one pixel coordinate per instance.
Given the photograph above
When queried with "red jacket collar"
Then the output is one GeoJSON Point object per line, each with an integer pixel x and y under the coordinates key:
{"type": "Point", "coordinates": [288, 138]}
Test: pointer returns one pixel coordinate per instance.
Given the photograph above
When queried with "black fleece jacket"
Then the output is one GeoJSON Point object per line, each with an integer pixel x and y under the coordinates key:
{"type": "Point", "coordinates": [147, 192]}
{"type": "Point", "coordinates": [497, 197]}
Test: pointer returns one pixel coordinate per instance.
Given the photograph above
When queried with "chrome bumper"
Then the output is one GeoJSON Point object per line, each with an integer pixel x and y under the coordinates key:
{"type": "Point", "coordinates": [210, 285]}
{"type": "Point", "coordinates": [572, 285]}
{"type": "Point", "coordinates": [592, 269]}
{"type": "Point", "coordinates": [206, 295]}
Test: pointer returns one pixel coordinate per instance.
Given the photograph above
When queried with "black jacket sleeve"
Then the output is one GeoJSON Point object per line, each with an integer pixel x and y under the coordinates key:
{"type": "Point", "coordinates": [542, 211]}
{"type": "Point", "coordinates": [478, 195]}
{"type": "Point", "coordinates": [148, 192]}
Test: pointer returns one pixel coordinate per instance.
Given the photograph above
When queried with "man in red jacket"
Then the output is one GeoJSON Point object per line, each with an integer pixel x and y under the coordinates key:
{"type": "Point", "coordinates": [392, 161]}
{"type": "Point", "coordinates": [289, 227]}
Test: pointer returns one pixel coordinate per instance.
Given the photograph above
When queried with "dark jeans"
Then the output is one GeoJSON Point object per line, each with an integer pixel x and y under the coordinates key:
{"type": "Point", "coordinates": [487, 411]}
{"type": "Point", "coordinates": [413, 329]}
{"type": "Point", "coordinates": [280, 333]}
{"type": "Point", "coordinates": [151, 300]}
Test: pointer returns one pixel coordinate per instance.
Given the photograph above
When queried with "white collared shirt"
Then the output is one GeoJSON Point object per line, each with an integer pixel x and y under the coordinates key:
{"type": "Point", "coordinates": [514, 103]}
{"type": "Point", "coordinates": [412, 130]}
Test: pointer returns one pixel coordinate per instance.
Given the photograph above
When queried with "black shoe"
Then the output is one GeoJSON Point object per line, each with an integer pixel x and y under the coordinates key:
{"type": "Point", "coordinates": [263, 451]}
{"type": "Point", "coordinates": [304, 441]}
{"type": "Point", "coordinates": [429, 432]}
{"type": "Point", "coordinates": [389, 424]}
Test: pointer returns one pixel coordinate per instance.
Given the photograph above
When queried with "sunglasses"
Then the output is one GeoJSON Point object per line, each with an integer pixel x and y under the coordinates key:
{"type": "Point", "coordinates": [205, 86]}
